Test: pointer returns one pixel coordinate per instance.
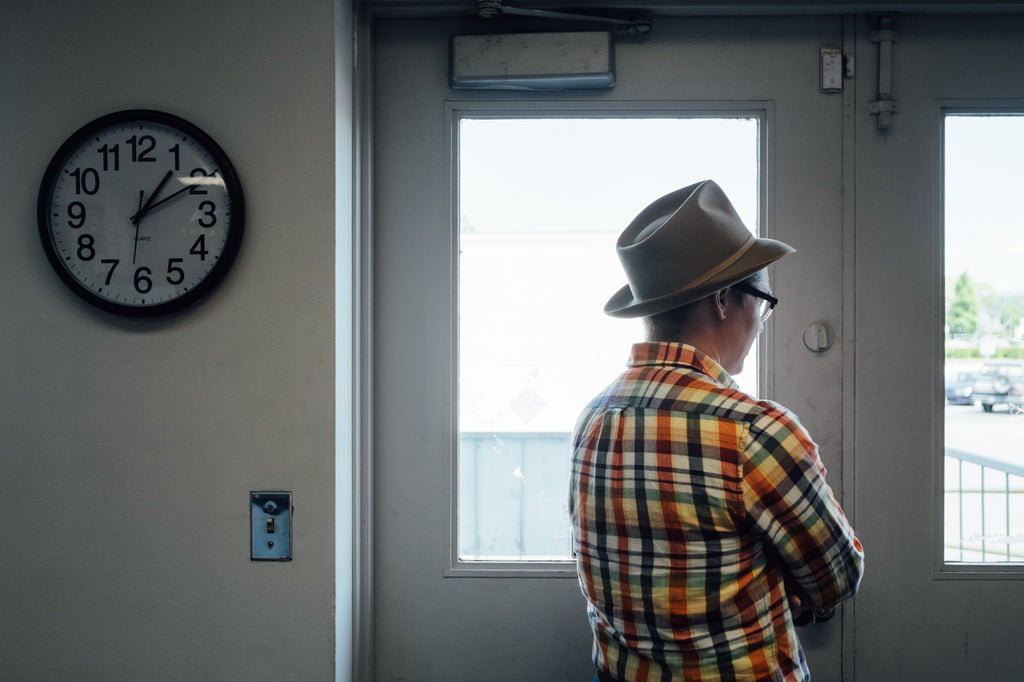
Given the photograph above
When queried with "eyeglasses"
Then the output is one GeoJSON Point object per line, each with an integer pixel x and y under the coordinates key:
{"type": "Point", "coordinates": [767, 302]}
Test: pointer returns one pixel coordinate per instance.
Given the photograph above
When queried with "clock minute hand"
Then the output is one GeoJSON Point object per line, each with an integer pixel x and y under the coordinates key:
{"type": "Point", "coordinates": [180, 191]}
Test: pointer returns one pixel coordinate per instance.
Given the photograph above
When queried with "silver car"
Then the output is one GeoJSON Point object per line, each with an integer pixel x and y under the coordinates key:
{"type": "Point", "coordinates": [1000, 383]}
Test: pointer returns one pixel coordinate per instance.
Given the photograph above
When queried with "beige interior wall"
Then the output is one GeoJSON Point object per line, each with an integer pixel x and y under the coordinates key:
{"type": "Point", "coordinates": [128, 447]}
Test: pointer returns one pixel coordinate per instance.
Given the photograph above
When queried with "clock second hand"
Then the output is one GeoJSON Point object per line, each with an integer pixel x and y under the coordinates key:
{"type": "Point", "coordinates": [138, 221]}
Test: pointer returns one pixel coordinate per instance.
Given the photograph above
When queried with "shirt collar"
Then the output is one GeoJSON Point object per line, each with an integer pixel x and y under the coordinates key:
{"type": "Point", "coordinates": [680, 354]}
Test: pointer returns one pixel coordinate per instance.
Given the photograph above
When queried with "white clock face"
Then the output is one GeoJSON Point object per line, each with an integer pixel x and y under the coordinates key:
{"type": "Point", "coordinates": [142, 215]}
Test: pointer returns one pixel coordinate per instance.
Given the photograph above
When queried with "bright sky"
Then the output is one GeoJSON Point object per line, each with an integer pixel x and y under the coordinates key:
{"type": "Point", "coordinates": [542, 204]}
{"type": "Point", "coordinates": [543, 201]}
{"type": "Point", "coordinates": [572, 175]}
{"type": "Point", "coordinates": [984, 186]}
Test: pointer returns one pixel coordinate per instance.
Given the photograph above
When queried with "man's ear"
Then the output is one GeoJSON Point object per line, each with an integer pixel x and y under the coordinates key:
{"type": "Point", "coordinates": [719, 303]}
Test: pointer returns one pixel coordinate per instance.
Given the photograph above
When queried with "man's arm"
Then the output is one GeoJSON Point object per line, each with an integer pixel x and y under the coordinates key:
{"type": "Point", "coordinates": [788, 500]}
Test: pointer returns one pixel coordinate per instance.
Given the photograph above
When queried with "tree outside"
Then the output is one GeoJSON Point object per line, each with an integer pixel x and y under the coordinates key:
{"type": "Point", "coordinates": [962, 316]}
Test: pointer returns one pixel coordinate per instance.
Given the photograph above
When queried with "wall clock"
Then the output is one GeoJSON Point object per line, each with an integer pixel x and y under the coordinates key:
{"type": "Point", "coordinates": [141, 213]}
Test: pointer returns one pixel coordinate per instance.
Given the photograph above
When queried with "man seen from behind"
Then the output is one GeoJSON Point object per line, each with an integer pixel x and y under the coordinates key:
{"type": "Point", "coordinates": [703, 527]}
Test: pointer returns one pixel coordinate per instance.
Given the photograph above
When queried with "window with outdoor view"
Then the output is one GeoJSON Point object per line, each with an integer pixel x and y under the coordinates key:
{"type": "Point", "coordinates": [541, 201]}
{"type": "Point", "coordinates": [984, 338]}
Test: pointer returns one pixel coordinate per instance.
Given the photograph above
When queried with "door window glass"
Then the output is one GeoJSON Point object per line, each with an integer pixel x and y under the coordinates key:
{"type": "Point", "coordinates": [541, 202]}
{"type": "Point", "coordinates": [984, 339]}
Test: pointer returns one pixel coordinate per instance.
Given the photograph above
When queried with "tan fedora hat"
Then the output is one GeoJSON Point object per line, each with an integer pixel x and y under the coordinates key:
{"type": "Point", "coordinates": [683, 247]}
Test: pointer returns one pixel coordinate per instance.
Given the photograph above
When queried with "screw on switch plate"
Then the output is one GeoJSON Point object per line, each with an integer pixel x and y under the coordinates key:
{"type": "Point", "coordinates": [271, 522]}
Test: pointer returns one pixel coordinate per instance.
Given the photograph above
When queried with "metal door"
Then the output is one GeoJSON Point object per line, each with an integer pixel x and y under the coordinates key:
{"type": "Point", "coordinates": [427, 626]}
{"type": "Point", "coordinates": [918, 618]}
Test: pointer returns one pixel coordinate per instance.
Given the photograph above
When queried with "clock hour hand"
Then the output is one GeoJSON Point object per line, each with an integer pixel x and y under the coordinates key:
{"type": "Point", "coordinates": [149, 202]}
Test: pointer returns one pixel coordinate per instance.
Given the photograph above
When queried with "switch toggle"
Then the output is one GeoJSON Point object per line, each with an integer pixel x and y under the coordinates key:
{"type": "Point", "coordinates": [271, 526]}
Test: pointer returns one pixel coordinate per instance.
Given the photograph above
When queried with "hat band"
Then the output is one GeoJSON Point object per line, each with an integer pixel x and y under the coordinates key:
{"type": "Point", "coordinates": [696, 282]}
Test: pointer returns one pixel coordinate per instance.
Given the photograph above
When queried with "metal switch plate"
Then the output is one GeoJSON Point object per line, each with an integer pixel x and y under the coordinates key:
{"type": "Point", "coordinates": [271, 520]}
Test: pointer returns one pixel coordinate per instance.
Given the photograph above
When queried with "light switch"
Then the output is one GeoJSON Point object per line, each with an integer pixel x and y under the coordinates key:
{"type": "Point", "coordinates": [271, 521]}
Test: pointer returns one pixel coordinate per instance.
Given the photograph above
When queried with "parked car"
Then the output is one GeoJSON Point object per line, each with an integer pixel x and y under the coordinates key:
{"type": "Point", "coordinates": [960, 386]}
{"type": "Point", "coordinates": [999, 383]}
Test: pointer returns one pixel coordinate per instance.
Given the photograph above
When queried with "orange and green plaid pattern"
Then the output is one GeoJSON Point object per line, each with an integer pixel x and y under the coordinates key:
{"type": "Point", "coordinates": [689, 501]}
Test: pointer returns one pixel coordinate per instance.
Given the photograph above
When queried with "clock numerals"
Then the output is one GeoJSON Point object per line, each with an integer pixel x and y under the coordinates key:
{"type": "Point", "coordinates": [112, 262]}
{"type": "Point", "coordinates": [87, 180]}
{"type": "Point", "coordinates": [142, 279]}
{"type": "Point", "coordinates": [209, 217]}
{"type": "Point", "coordinates": [140, 212]}
{"type": "Point", "coordinates": [143, 283]}
{"type": "Point", "coordinates": [199, 248]}
{"type": "Point", "coordinates": [199, 187]}
{"type": "Point", "coordinates": [85, 250]}
{"type": "Point", "coordinates": [86, 247]}
{"type": "Point", "coordinates": [76, 214]}
{"type": "Point", "coordinates": [111, 157]}
{"type": "Point", "coordinates": [142, 148]}
{"type": "Point", "coordinates": [175, 275]}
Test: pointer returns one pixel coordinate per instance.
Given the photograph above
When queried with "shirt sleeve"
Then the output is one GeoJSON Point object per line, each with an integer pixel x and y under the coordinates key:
{"type": "Point", "coordinates": [788, 501]}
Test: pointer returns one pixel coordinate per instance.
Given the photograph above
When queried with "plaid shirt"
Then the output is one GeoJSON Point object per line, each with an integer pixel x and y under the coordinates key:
{"type": "Point", "coordinates": [689, 501]}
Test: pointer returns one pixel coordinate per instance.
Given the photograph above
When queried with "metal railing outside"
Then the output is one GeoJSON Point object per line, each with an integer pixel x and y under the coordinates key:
{"type": "Point", "coordinates": [984, 509]}
{"type": "Point", "coordinates": [513, 488]}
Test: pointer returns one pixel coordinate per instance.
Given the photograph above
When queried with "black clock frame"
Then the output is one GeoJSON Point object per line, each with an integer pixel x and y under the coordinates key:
{"type": "Point", "coordinates": [226, 171]}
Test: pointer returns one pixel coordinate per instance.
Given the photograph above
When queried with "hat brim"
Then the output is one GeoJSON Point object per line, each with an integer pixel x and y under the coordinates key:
{"type": "Point", "coordinates": [764, 252]}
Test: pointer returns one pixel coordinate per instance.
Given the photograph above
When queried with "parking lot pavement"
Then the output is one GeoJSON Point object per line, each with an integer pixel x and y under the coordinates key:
{"type": "Point", "coordinates": [998, 435]}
